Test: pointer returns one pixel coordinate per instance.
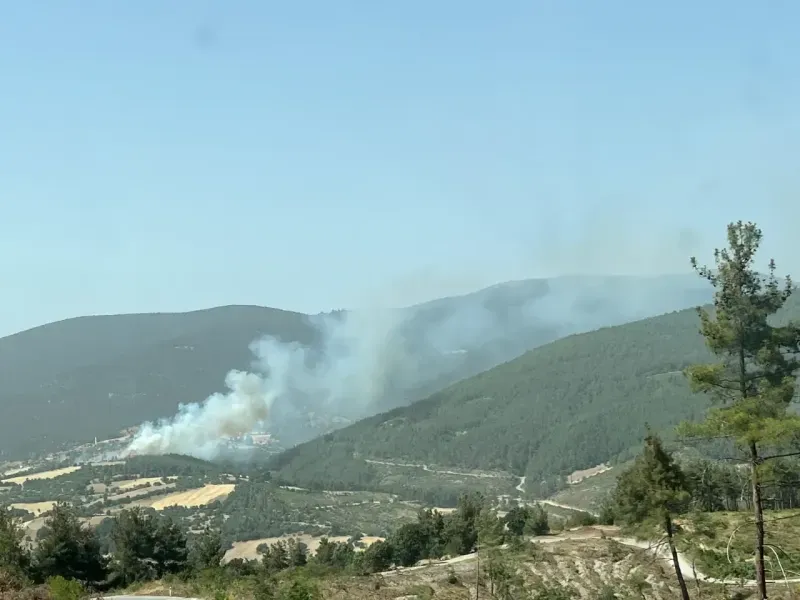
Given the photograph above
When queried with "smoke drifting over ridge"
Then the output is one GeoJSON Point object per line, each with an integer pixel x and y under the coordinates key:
{"type": "Point", "coordinates": [372, 360]}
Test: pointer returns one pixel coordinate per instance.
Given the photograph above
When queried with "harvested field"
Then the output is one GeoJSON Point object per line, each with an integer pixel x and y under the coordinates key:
{"type": "Point", "coordinates": [15, 471]}
{"type": "Point", "coordinates": [368, 540]}
{"type": "Point", "coordinates": [140, 492]}
{"type": "Point", "coordinates": [127, 484]}
{"type": "Point", "coordinates": [96, 520]}
{"type": "Point", "coordinates": [43, 475]}
{"type": "Point", "coordinates": [190, 498]}
{"type": "Point", "coordinates": [247, 550]}
{"type": "Point", "coordinates": [444, 511]}
{"type": "Point", "coordinates": [37, 508]}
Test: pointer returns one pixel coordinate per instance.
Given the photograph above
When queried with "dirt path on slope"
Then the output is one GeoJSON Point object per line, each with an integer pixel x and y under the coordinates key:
{"type": "Point", "coordinates": [659, 550]}
{"type": "Point", "coordinates": [429, 470]}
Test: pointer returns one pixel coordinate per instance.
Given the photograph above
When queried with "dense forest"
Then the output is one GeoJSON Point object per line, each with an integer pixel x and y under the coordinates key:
{"type": "Point", "coordinates": [569, 405]}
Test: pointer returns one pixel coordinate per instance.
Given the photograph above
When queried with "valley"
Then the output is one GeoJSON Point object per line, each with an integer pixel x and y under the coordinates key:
{"type": "Point", "coordinates": [527, 479]}
{"type": "Point", "coordinates": [124, 370]}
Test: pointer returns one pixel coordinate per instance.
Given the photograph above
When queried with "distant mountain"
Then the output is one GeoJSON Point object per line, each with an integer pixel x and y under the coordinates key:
{"type": "Point", "coordinates": [477, 331]}
{"type": "Point", "coordinates": [91, 376]}
{"type": "Point", "coordinates": [568, 405]}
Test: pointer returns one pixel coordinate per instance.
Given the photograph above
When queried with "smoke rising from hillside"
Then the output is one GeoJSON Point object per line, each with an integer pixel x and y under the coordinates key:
{"type": "Point", "coordinates": [351, 365]}
{"type": "Point", "coordinates": [371, 360]}
{"type": "Point", "coordinates": [198, 428]}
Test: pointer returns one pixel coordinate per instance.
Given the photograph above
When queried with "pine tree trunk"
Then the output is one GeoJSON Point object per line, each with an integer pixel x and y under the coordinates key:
{"type": "Point", "coordinates": [674, 552]}
{"type": "Point", "coordinates": [761, 577]}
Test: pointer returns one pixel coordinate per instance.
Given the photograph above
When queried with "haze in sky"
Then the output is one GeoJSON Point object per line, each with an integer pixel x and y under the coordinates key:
{"type": "Point", "coordinates": [315, 155]}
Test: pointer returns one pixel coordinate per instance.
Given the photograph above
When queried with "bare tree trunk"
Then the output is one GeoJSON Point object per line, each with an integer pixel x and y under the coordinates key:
{"type": "Point", "coordinates": [477, 574]}
{"type": "Point", "coordinates": [761, 577]}
{"type": "Point", "coordinates": [674, 552]}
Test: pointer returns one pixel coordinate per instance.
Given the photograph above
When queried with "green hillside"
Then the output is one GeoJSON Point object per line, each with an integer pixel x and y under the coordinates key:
{"type": "Point", "coordinates": [568, 405]}
{"type": "Point", "coordinates": [152, 363]}
{"type": "Point", "coordinates": [70, 381]}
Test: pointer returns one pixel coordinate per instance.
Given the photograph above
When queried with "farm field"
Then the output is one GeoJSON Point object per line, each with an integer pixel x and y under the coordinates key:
{"type": "Point", "coordinates": [192, 498]}
{"type": "Point", "coordinates": [20, 479]}
{"type": "Point", "coordinates": [36, 508]}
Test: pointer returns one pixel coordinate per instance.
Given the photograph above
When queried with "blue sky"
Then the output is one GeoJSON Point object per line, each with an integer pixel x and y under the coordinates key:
{"type": "Point", "coordinates": [314, 155]}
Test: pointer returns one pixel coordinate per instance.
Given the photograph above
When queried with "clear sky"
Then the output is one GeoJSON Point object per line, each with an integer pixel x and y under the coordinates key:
{"type": "Point", "coordinates": [313, 155]}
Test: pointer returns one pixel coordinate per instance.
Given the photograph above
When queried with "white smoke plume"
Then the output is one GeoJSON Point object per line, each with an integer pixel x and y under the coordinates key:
{"type": "Point", "coordinates": [366, 361]}
{"type": "Point", "coordinates": [198, 428]}
{"type": "Point", "coordinates": [354, 364]}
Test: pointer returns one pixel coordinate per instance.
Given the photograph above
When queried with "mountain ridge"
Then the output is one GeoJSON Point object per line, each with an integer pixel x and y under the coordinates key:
{"type": "Point", "coordinates": [91, 376]}
{"type": "Point", "coordinates": [570, 404]}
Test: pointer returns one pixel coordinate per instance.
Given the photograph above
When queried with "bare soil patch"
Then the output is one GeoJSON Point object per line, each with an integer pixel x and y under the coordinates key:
{"type": "Point", "coordinates": [578, 476]}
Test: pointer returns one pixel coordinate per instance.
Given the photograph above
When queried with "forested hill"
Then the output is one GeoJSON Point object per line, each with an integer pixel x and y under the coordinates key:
{"type": "Point", "coordinates": [91, 376]}
{"type": "Point", "coordinates": [568, 405]}
{"type": "Point", "coordinates": [70, 381]}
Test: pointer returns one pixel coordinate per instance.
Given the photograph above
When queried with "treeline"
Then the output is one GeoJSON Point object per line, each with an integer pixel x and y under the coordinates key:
{"type": "Point", "coordinates": [141, 545]}
{"type": "Point", "coordinates": [432, 536]}
{"type": "Point", "coordinates": [358, 475]}
{"type": "Point", "coordinates": [722, 486]}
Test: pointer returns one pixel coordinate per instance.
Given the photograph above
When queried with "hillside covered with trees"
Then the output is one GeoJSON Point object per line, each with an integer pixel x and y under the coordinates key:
{"type": "Point", "coordinates": [88, 377]}
{"type": "Point", "coordinates": [569, 405]}
{"type": "Point", "coordinates": [749, 367]}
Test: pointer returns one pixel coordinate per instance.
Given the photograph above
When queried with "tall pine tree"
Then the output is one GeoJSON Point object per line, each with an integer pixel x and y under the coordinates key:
{"type": "Point", "coordinates": [753, 382]}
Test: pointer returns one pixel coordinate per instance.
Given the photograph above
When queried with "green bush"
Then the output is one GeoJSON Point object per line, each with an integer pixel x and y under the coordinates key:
{"type": "Point", "coordinates": [65, 589]}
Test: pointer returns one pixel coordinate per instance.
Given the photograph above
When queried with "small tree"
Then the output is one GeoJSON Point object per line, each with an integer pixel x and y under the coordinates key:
{"type": "Point", "coordinates": [68, 549]}
{"type": "Point", "coordinates": [133, 537]}
{"type": "Point", "coordinates": [753, 383]}
{"type": "Point", "coordinates": [461, 531]}
{"type": "Point", "coordinates": [207, 551]}
{"type": "Point", "coordinates": [538, 522]}
{"type": "Point", "coordinates": [13, 554]}
{"type": "Point", "coordinates": [408, 543]}
{"type": "Point", "coordinates": [378, 557]}
{"type": "Point", "coordinates": [65, 589]}
{"type": "Point", "coordinates": [276, 558]}
{"type": "Point", "coordinates": [298, 552]}
{"type": "Point", "coordinates": [654, 488]}
{"type": "Point", "coordinates": [146, 546]}
{"type": "Point", "coordinates": [170, 552]}
{"type": "Point", "coordinates": [490, 538]}
{"type": "Point", "coordinates": [516, 519]}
